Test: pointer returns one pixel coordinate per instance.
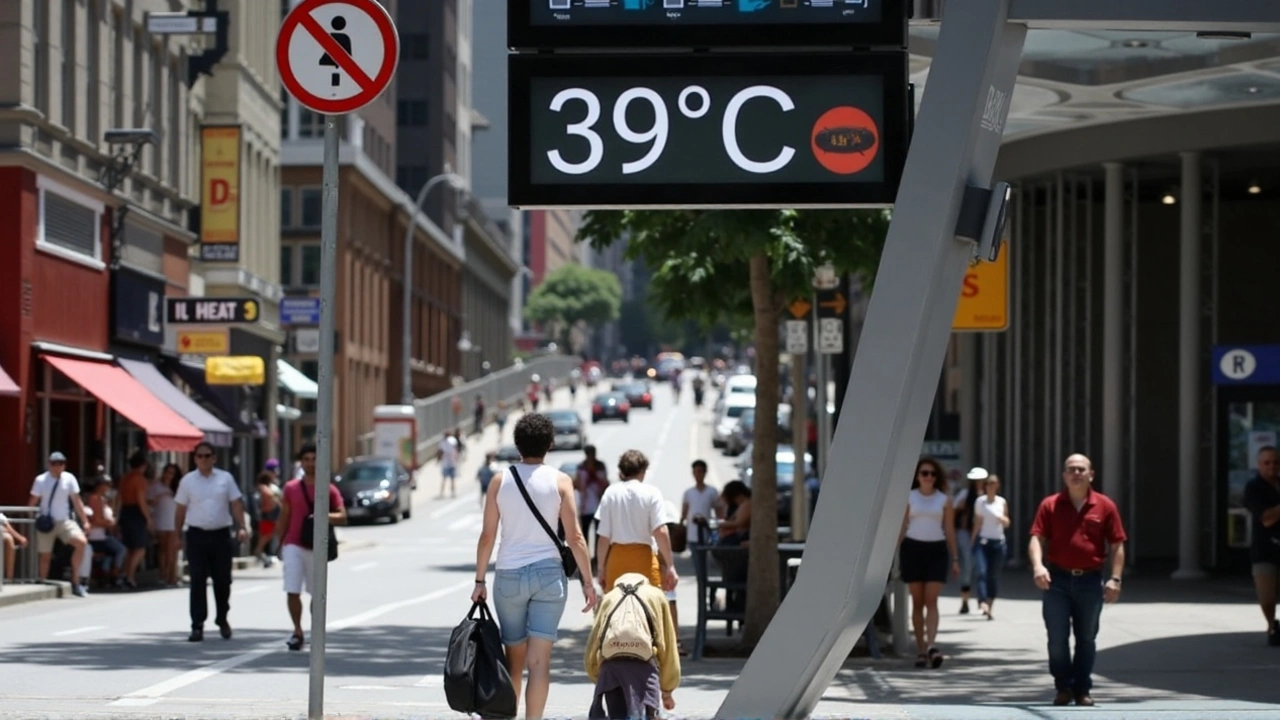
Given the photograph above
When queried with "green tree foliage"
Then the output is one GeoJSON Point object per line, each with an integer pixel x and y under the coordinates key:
{"type": "Point", "coordinates": [574, 295]}
{"type": "Point", "coordinates": [741, 267]}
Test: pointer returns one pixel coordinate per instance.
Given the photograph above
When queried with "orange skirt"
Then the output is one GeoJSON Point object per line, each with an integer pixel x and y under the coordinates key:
{"type": "Point", "coordinates": [636, 558]}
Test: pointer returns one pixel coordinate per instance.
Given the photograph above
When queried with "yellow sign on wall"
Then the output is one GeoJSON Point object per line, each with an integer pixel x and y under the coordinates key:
{"type": "Point", "coordinates": [220, 194]}
{"type": "Point", "coordinates": [984, 297]}
{"type": "Point", "coordinates": [235, 370]}
{"type": "Point", "coordinates": [204, 342]}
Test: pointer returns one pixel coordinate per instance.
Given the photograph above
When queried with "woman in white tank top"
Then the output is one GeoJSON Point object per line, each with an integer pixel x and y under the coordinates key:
{"type": "Point", "coordinates": [926, 542]}
{"type": "Point", "coordinates": [530, 587]}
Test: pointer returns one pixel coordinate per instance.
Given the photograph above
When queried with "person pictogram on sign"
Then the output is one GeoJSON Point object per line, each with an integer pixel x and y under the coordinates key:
{"type": "Point", "coordinates": [338, 23]}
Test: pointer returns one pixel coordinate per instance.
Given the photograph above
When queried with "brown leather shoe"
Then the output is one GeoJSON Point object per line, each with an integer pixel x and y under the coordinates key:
{"type": "Point", "coordinates": [1083, 700]}
{"type": "Point", "coordinates": [1062, 698]}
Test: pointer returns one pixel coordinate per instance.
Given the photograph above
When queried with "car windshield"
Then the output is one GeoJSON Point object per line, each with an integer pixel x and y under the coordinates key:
{"type": "Point", "coordinates": [563, 418]}
{"type": "Point", "coordinates": [734, 411]}
{"type": "Point", "coordinates": [365, 472]}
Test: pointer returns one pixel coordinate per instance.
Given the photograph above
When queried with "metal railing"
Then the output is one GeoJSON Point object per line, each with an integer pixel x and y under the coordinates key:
{"type": "Point", "coordinates": [26, 559]}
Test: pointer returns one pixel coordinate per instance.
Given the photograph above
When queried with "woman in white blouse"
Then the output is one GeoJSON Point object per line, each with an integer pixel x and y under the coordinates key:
{"type": "Point", "coordinates": [990, 518]}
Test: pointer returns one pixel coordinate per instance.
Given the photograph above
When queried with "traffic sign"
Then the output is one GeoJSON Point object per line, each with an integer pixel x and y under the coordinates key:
{"type": "Point", "coordinates": [211, 311]}
{"type": "Point", "coordinates": [204, 342]}
{"type": "Point", "coordinates": [984, 297]}
{"type": "Point", "coordinates": [300, 311]}
{"type": "Point", "coordinates": [736, 130]}
{"type": "Point", "coordinates": [832, 304]}
{"type": "Point", "coordinates": [799, 308]}
{"type": "Point", "coordinates": [830, 336]}
{"type": "Point", "coordinates": [336, 56]}
{"type": "Point", "coordinates": [797, 336]}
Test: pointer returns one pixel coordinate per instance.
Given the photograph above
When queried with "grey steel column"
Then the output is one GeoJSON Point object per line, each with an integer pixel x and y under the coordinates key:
{"type": "Point", "coordinates": [894, 377]}
{"type": "Point", "coordinates": [1114, 479]}
{"type": "Point", "coordinates": [324, 413]}
{"type": "Point", "coordinates": [1189, 372]}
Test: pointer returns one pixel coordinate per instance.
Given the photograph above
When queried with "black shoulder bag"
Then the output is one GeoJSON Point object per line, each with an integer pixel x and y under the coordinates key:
{"type": "Point", "coordinates": [44, 521]}
{"type": "Point", "coordinates": [309, 528]}
{"type": "Point", "coordinates": [566, 555]}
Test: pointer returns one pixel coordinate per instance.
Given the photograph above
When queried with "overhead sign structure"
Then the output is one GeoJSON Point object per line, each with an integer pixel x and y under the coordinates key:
{"type": "Point", "coordinates": [204, 342]}
{"type": "Point", "coordinates": [803, 130]}
{"type": "Point", "coordinates": [300, 311]}
{"type": "Point", "coordinates": [211, 311]}
{"type": "Point", "coordinates": [336, 56]}
{"type": "Point", "coordinates": [1245, 364]}
{"type": "Point", "coordinates": [706, 23]}
{"type": "Point", "coordinates": [220, 193]}
{"type": "Point", "coordinates": [984, 297]}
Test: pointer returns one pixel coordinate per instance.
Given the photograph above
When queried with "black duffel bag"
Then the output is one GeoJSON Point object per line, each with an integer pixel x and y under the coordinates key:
{"type": "Point", "coordinates": [475, 668]}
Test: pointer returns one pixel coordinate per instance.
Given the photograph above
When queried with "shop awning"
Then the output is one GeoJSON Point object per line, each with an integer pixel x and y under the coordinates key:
{"type": "Point", "coordinates": [7, 386]}
{"type": "Point", "coordinates": [288, 414]}
{"type": "Point", "coordinates": [166, 430]}
{"type": "Point", "coordinates": [215, 431]}
{"type": "Point", "coordinates": [295, 382]}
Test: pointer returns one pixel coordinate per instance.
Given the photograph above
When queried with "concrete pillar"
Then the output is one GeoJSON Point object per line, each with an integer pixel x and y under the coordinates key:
{"type": "Point", "coordinates": [1112, 473]}
{"type": "Point", "coordinates": [1189, 372]}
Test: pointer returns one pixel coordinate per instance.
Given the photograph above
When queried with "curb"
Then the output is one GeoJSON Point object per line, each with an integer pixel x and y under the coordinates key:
{"type": "Point", "coordinates": [49, 590]}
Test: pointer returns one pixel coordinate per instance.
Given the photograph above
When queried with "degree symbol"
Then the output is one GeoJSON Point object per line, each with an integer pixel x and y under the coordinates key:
{"type": "Point", "coordinates": [704, 102]}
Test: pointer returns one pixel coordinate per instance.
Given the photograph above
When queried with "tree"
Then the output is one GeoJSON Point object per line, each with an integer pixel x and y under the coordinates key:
{"type": "Point", "coordinates": [574, 295]}
{"type": "Point", "coordinates": [740, 267]}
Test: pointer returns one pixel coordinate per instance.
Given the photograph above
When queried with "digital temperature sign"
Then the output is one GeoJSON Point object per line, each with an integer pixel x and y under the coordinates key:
{"type": "Point", "coordinates": [608, 24]}
{"type": "Point", "coordinates": [815, 130]}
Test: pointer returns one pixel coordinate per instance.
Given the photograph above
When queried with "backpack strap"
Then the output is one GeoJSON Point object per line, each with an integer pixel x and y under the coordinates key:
{"type": "Point", "coordinates": [630, 591]}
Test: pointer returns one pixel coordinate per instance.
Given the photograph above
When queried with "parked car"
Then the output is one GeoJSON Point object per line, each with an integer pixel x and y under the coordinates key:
{"type": "Point", "coordinates": [743, 434]}
{"type": "Point", "coordinates": [726, 420]}
{"type": "Point", "coordinates": [785, 460]}
{"type": "Point", "coordinates": [374, 487]}
{"type": "Point", "coordinates": [570, 433]}
{"type": "Point", "coordinates": [610, 406]}
{"type": "Point", "coordinates": [638, 393]}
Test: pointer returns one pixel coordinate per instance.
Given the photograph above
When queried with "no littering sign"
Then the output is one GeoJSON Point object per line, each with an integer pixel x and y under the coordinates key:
{"type": "Point", "coordinates": [336, 56]}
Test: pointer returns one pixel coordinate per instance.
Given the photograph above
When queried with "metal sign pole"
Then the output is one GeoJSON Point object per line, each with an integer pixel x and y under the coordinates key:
{"type": "Point", "coordinates": [324, 412]}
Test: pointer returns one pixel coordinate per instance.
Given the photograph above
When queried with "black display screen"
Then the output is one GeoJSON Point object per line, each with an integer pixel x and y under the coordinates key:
{"type": "Point", "coordinates": [666, 13]}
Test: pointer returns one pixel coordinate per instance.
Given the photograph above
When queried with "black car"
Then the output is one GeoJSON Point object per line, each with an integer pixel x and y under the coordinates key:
{"type": "Point", "coordinates": [570, 433]}
{"type": "Point", "coordinates": [610, 406]}
{"type": "Point", "coordinates": [374, 488]}
{"type": "Point", "coordinates": [637, 393]}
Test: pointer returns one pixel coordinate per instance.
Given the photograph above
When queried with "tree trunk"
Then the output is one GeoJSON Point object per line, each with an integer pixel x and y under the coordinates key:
{"type": "Point", "coordinates": [763, 589]}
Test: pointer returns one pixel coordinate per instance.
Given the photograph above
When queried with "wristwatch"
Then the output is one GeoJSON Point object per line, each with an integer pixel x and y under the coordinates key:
{"type": "Point", "coordinates": [1115, 580]}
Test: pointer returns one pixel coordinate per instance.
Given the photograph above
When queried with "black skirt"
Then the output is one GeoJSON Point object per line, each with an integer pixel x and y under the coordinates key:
{"type": "Point", "coordinates": [923, 561]}
{"type": "Point", "coordinates": [133, 527]}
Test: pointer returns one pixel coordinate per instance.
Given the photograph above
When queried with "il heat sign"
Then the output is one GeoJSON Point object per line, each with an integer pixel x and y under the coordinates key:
{"type": "Point", "coordinates": [220, 193]}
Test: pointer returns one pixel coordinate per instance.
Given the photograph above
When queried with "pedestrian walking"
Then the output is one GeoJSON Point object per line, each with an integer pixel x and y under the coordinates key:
{"type": "Point", "coordinates": [632, 535]}
{"type": "Point", "coordinates": [134, 522]}
{"type": "Point", "coordinates": [530, 585]}
{"type": "Point", "coordinates": [591, 481]}
{"type": "Point", "coordinates": [700, 504]}
{"type": "Point", "coordinates": [1077, 557]}
{"type": "Point", "coordinates": [56, 495]}
{"type": "Point", "coordinates": [926, 540]}
{"type": "Point", "coordinates": [990, 518]}
{"type": "Point", "coordinates": [160, 496]}
{"type": "Point", "coordinates": [632, 653]}
{"type": "Point", "coordinates": [964, 501]}
{"type": "Point", "coordinates": [447, 454]}
{"type": "Point", "coordinates": [500, 419]}
{"type": "Point", "coordinates": [268, 514]}
{"type": "Point", "coordinates": [296, 546]}
{"type": "Point", "coordinates": [477, 413]}
{"type": "Point", "coordinates": [485, 474]}
{"type": "Point", "coordinates": [209, 504]}
{"type": "Point", "coordinates": [1262, 499]}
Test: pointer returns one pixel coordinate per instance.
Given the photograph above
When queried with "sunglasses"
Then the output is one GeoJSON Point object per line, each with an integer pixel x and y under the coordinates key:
{"type": "Point", "coordinates": [202, 456]}
{"type": "Point", "coordinates": [927, 473]}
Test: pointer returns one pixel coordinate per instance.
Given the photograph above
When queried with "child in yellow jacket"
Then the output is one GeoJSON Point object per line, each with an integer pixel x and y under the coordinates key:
{"type": "Point", "coordinates": [633, 688]}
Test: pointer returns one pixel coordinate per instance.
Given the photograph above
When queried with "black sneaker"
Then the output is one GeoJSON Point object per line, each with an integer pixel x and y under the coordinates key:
{"type": "Point", "coordinates": [964, 608]}
{"type": "Point", "coordinates": [295, 642]}
{"type": "Point", "coordinates": [1273, 638]}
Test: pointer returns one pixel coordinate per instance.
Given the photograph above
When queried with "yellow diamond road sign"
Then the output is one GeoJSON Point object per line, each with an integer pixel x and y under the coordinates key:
{"type": "Point", "coordinates": [204, 342]}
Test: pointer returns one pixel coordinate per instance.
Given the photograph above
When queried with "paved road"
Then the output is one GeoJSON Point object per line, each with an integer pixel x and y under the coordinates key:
{"type": "Point", "coordinates": [1169, 652]}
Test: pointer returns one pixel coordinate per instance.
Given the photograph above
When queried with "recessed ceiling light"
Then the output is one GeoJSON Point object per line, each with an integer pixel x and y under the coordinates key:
{"type": "Point", "coordinates": [1135, 43]}
{"type": "Point", "coordinates": [1169, 199]}
{"type": "Point", "coordinates": [1253, 89]}
{"type": "Point", "coordinates": [1255, 189]}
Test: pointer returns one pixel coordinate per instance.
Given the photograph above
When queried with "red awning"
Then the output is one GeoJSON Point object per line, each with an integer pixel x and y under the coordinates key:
{"type": "Point", "coordinates": [7, 386]}
{"type": "Point", "coordinates": [167, 431]}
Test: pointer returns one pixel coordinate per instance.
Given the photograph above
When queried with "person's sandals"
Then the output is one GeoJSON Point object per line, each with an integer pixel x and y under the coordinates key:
{"type": "Point", "coordinates": [935, 658]}
{"type": "Point", "coordinates": [922, 660]}
{"type": "Point", "coordinates": [295, 642]}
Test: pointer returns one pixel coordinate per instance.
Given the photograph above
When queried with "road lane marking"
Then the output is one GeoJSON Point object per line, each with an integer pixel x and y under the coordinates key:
{"type": "Point", "coordinates": [79, 631]}
{"type": "Point", "coordinates": [451, 507]}
{"type": "Point", "coordinates": [467, 521]}
{"type": "Point", "coordinates": [364, 566]}
{"type": "Point", "coordinates": [662, 438]}
{"type": "Point", "coordinates": [149, 695]}
{"type": "Point", "coordinates": [430, 681]}
{"type": "Point", "coordinates": [241, 592]}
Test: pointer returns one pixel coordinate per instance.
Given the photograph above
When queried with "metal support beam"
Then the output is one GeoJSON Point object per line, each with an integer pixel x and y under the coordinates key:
{"type": "Point", "coordinates": [855, 530]}
{"type": "Point", "coordinates": [1189, 372]}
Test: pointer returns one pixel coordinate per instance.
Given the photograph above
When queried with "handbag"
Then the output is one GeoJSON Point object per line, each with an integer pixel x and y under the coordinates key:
{"type": "Point", "coordinates": [44, 521]}
{"type": "Point", "coordinates": [567, 560]}
{"type": "Point", "coordinates": [309, 528]}
{"type": "Point", "coordinates": [476, 679]}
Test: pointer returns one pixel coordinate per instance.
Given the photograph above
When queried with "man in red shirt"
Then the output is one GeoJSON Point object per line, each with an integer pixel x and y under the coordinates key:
{"type": "Point", "coordinates": [1077, 540]}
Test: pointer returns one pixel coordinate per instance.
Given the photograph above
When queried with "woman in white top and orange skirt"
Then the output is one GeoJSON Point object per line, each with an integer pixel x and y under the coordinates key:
{"type": "Point", "coordinates": [927, 550]}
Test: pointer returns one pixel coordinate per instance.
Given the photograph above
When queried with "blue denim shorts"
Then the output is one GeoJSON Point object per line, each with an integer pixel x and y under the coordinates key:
{"type": "Point", "coordinates": [530, 600]}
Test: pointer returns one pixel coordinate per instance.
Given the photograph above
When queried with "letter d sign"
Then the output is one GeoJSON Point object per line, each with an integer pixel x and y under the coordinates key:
{"type": "Point", "coordinates": [219, 191]}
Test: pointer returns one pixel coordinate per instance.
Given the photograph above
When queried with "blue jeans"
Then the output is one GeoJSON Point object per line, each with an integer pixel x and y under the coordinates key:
{"type": "Point", "coordinates": [1072, 603]}
{"type": "Point", "coordinates": [529, 601]}
{"type": "Point", "coordinates": [988, 561]}
{"type": "Point", "coordinates": [112, 548]}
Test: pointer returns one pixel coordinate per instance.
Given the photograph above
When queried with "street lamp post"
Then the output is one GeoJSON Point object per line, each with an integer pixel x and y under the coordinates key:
{"type": "Point", "coordinates": [406, 387]}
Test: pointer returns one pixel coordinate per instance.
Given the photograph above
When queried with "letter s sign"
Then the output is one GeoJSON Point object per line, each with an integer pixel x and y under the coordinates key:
{"type": "Point", "coordinates": [970, 288]}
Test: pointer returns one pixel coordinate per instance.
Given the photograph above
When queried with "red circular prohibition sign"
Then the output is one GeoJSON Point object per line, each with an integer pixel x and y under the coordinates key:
{"type": "Point", "coordinates": [300, 19]}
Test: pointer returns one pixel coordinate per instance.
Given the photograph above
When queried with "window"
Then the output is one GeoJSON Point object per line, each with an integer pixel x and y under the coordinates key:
{"type": "Point", "coordinates": [93, 105]}
{"type": "Point", "coordinates": [70, 224]}
{"type": "Point", "coordinates": [138, 64]}
{"type": "Point", "coordinates": [116, 67]}
{"type": "Point", "coordinates": [68, 55]}
{"type": "Point", "coordinates": [310, 265]}
{"type": "Point", "coordinates": [40, 33]}
{"type": "Point", "coordinates": [411, 112]}
{"type": "Point", "coordinates": [311, 204]}
{"type": "Point", "coordinates": [415, 46]}
{"type": "Point", "coordinates": [156, 103]}
{"type": "Point", "coordinates": [411, 178]}
{"type": "Point", "coordinates": [286, 207]}
{"type": "Point", "coordinates": [174, 124]}
{"type": "Point", "coordinates": [286, 266]}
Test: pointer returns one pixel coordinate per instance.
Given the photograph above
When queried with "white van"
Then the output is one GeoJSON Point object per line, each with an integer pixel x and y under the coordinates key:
{"type": "Point", "coordinates": [740, 384]}
{"type": "Point", "coordinates": [727, 419]}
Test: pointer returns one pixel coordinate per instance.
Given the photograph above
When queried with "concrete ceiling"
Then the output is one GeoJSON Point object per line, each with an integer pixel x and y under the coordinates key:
{"type": "Point", "coordinates": [1071, 79]}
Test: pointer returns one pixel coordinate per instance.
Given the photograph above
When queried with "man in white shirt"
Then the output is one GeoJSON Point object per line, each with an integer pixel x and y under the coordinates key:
{"type": "Point", "coordinates": [701, 503]}
{"type": "Point", "coordinates": [209, 502]}
{"type": "Point", "coordinates": [447, 454]}
{"type": "Point", "coordinates": [56, 494]}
